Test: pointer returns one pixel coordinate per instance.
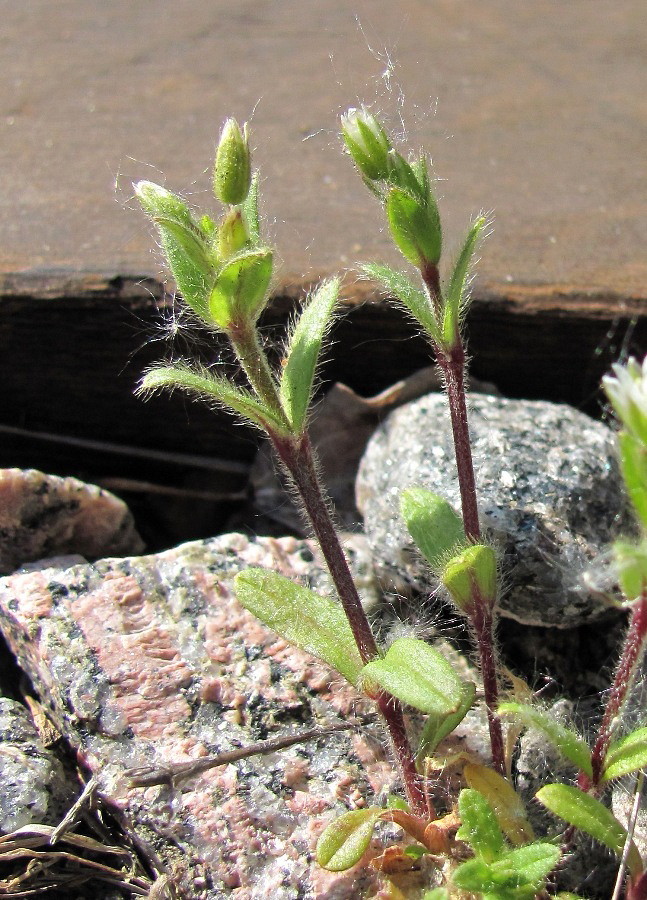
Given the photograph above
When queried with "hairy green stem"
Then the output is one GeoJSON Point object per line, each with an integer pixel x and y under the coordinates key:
{"type": "Point", "coordinates": [296, 455]}
{"type": "Point", "coordinates": [630, 657]}
{"type": "Point", "coordinates": [244, 339]}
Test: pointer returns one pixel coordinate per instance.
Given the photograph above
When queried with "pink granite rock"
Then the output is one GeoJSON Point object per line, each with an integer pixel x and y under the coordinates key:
{"type": "Point", "coordinates": [151, 661]}
{"type": "Point", "coordinates": [45, 516]}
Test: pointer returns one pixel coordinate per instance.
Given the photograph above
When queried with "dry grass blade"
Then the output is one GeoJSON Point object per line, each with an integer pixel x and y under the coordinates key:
{"type": "Point", "coordinates": [37, 866]}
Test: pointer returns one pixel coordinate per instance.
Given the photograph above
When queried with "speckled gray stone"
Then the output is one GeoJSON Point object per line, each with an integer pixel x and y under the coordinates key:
{"type": "Point", "coordinates": [33, 786]}
{"type": "Point", "coordinates": [550, 498]}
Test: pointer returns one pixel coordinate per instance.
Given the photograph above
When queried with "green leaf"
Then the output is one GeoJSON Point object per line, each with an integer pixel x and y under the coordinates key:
{"type": "Point", "coordinates": [589, 815]}
{"type": "Point", "coordinates": [311, 622]}
{"type": "Point", "coordinates": [417, 674]}
{"type": "Point", "coordinates": [415, 227]}
{"type": "Point", "coordinates": [506, 803]}
{"type": "Point", "coordinates": [409, 178]}
{"type": "Point", "coordinates": [205, 386]}
{"type": "Point", "coordinates": [240, 291]}
{"type": "Point", "coordinates": [346, 840]}
{"type": "Point", "coordinates": [250, 213]}
{"type": "Point", "coordinates": [517, 874]}
{"type": "Point", "coordinates": [567, 741]}
{"type": "Point", "coordinates": [415, 301]}
{"type": "Point", "coordinates": [629, 754]}
{"type": "Point", "coordinates": [184, 243]}
{"type": "Point", "coordinates": [435, 527]}
{"type": "Point", "coordinates": [455, 293]}
{"type": "Point", "coordinates": [303, 351]}
{"type": "Point", "coordinates": [439, 726]}
{"type": "Point", "coordinates": [479, 826]}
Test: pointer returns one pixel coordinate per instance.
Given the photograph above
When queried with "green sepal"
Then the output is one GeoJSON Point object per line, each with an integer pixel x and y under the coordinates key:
{"type": "Point", "coordinates": [629, 754]}
{"type": "Point", "coordinates": [415, 301]}
{"type": "Point", "coordinates": [302, 354]}
{"type": "Point", "coordinates": [567, 741]}
{"type": "Point", "coordinates": [417, 674]}
{"type": "Point", "coordinates": [415, 227]}
{"type": "Point", "coordinates": [436, 528]}
{"type": "Point", "coordinates": [249, 209]}
{"type": "Point", "coordinates": [311, 622]}
{"type": "Point", "coordinates": [479, 826]}
{"type": "Point", "coordinates": [232, 235]}
{"type": "Point", "coordinates": [506, 803]}
{"type": "Point", "coordinates": [343, 843]}
{"type": "Point", "coordinates": [437, 727]}
{"type": "Point", "coordinates": [472, 571]}
{"type": "Point", "coordinates": [633, 462]}
{"type": "Point", "coordinates": [588, 814]}
{"type": "Point", "coordinates": [206, 386]}
{"type": "Point", "coordinates": [240, 290]}
{"type": "Point", "coordinates": [455, 295]}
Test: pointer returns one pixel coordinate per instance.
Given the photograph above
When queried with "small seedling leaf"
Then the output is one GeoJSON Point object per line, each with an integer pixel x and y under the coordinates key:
{"type": "Point", "coordinates": [345, 841]}
{"type": "Point", "coordinates": [455, 293]}
{"type": "Point", "coordinates": [506, 803]}
{"type": "Point", "coordinates": [417, 674]}
{"type": "Point", "coordinates": [314, 623]}
{"type": "Point", "coordinates": [438, 727]}
{"type": "Point", "coordinates": [631, 566]}
{"type": "Point", "coordinates": [205, 386]}
{"type": "Point", "coordinates": [471, 578]}
{"type": "Point", "coordinates": [480, 828]}
{"type": "Point", "coordinates": [588, 814]}
{"type": "Point", "coordinates": [240, 290]}
{"type": "Point", "coordinates": [567, 741]}
{"type": "Point", "coordinates": [303, 353]}
{"type": "Point", "coordinates": [434, 525]}
{"type": "Point", "coordinates": [629, 754]}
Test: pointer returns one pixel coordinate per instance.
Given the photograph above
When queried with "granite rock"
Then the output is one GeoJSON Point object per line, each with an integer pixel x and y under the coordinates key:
{"type": "Point", "coordinates": [550, 499]}
{"type": "Point", "coordinates": [33, 786]}
{"type": "Point", "coordinates": [48, 516]}
{"type": "Point", "coordinates": [150, 661]}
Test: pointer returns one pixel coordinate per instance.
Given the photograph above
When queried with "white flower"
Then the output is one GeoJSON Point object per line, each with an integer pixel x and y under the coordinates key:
{"type": "Point", "coordinates": [627, 391]}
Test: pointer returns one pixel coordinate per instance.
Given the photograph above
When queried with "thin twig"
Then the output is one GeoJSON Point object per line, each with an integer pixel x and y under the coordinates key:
{"type": "Point", "coordinates": [146, 776]}
{"type": "Point", "coordinates": [630, 833]}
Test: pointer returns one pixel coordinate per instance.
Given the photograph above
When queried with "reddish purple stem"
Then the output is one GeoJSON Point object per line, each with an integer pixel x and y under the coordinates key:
{"type": "Point", "coordinates": [298, 459]}
{"type": "Point", "coordinates": [631, 653]}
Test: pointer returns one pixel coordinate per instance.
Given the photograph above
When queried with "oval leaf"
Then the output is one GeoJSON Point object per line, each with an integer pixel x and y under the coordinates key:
{"type": "Point", "coordinates": [313, 623]}
{"type": "Point", "coordinates": [434, 525]}
{"type": "Point", "coordinates": [505, 802]}
{"type": "Point", "coordinates": [418, 675]}
{"type": "Point", "coordinates": [589, 815]}
{"type": "Point", "coordinates": [567, 741]}
{"type": "Point", "coordinates": [629, 754]}
{"type": "Point", "coordinates": [345, 841]}
{"type": "Point", "coordinates": [479, 825]}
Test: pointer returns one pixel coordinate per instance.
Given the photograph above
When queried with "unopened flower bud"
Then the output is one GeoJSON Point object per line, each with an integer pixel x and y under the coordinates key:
{"type": "Point", "coordinates": [367, 142]}
{"type": "Point", "coordinates": [232, 172]}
